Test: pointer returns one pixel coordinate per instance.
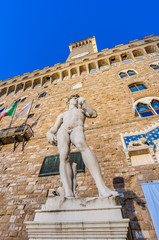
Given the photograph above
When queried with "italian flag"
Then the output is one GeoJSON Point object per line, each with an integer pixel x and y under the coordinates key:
{"type": "Point", "coordinates": [8, 111]}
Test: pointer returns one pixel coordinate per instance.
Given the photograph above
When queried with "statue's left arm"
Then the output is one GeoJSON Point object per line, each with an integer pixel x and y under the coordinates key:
{"type": "Point", "coordinates": [89, 111]}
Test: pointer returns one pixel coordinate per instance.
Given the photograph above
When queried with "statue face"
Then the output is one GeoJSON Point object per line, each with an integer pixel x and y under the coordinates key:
{"type": "Point", "coordinates": [73, 101]}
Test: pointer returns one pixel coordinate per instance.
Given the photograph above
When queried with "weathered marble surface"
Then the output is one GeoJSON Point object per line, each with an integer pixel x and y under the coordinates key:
{"type": "Point", "coordinates": [69, 128]}
{"type": "Point", "coordinates": [76, 218]}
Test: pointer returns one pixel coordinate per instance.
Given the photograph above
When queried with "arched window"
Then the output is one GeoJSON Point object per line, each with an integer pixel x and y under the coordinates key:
{"type": "Point", "coordinates": [131, 72]}
{"type": "Point", "coordinates": [126, 73]}
{"type": "Point", "coordinates": [137, 87]}
{"type": "Point", "coordinates": [144, 110]}
{"type": "Point", "coordinates": [42, 95]}
{"type": "Point", "coordinates": [122, 74]}
{"type": "Point", "coordinates": [155, 105]}
{"type": "Point", "coordinates": [154, 66]}
{"type": "Point", "coordinates": [147, 106]}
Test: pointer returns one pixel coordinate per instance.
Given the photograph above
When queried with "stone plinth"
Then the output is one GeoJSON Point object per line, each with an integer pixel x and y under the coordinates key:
{"type": "Point", "coordinates": [75, 218]}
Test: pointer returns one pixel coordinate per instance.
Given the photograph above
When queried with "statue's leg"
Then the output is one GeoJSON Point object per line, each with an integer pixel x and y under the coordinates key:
{"type": "Point", "coordinates": [65, 167]}
{"type": "Point", "coordinates": [90, 160]}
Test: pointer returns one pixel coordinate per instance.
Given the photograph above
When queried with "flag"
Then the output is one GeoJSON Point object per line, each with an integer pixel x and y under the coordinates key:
{"type": "Point", "coordinates": [25, 110]}
{"type": "Point", "coordinates": [8, 111]}
{"type": "Point", "coordinates": [2, 110]}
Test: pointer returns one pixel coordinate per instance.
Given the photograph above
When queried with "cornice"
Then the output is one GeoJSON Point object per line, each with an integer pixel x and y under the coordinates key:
{"type": "Point", "coordinates": [106, 53]}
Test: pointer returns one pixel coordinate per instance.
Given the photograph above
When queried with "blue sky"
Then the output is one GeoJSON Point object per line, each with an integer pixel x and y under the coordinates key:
{"type": "Point", "coordinates": [36, 33]}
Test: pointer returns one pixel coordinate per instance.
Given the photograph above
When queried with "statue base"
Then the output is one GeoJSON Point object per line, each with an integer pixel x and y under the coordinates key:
{"type": "Point", "coordinates": [76, 218]}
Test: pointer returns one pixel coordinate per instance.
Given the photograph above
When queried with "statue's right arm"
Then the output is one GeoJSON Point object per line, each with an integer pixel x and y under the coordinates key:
{"type": "Point", "coordinates": [51, 133]}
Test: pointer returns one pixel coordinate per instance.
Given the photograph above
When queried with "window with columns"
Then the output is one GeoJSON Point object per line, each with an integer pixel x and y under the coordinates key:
{"type": "Point", "coordinates": [126, 73]}
{"type": "Point", "coordinates": [147, 106]}
{"type": "Point", "coordinates": [154, 65]}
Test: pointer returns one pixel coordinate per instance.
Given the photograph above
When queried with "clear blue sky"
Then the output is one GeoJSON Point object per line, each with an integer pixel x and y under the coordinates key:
{"type": "Point", "coordinates": [36, 33]}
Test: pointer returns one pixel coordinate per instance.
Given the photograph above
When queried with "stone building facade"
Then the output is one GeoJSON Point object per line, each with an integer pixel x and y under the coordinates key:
{"type": "Point", "coordinates": [122, 84]}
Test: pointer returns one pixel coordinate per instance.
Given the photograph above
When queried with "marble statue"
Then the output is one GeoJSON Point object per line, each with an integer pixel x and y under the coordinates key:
{"type": "Point", "coordinates": [69, 128]}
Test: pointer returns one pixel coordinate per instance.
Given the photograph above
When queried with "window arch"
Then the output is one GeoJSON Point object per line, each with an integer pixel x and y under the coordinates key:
{"type": "Point", "coordinates": [155, 106]}
{"type": "Point", "coordinates": [144, 110]}
{"type": "Point", "coordinates": [137, 87]}
{"type": "Point", "coordinates": [123, 74]}
{"type": "Point", "coordinates": [154, 65]}
{"type": "Point", "coordinates": [126, 73]}
{"type": "Point", "coordinates": [42, 95]}
{"type": "Point", "coordinates": [147, 106]}
{"type": "Point", "coordinates": [131, 72]}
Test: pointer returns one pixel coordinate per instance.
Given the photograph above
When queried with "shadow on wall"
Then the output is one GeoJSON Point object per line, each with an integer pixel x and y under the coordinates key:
{"type": "Point", "coordinates": [126, 199]}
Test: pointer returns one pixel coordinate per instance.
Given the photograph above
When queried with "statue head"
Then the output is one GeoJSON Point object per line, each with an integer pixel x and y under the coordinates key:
{"type": "Point", "coordinates": [72, 96]}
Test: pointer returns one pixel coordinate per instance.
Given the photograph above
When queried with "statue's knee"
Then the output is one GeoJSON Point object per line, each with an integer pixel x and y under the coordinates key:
{"type": "Point", "coordinates": [64, 156]}
{"type": "Point", "coordinates": [81, 146]}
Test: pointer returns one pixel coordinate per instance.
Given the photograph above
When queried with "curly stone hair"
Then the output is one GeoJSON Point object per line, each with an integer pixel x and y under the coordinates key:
{"type": "Point", "coordinates": [69, 98]}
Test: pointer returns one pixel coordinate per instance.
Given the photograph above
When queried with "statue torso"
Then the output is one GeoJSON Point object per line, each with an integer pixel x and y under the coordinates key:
{"type": "Point", "coordinates": [73, 118]}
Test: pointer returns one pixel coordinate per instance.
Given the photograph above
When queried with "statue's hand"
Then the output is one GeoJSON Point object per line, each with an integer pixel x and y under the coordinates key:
{"type": "Point", "coordinates": [51, 138]}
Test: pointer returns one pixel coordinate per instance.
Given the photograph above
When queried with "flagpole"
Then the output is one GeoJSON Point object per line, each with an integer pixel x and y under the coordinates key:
{"type": "Point", "coordinates": [28, 114]}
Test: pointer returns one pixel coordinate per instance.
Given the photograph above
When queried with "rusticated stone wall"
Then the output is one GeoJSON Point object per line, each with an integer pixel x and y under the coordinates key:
{"type": "Point", "coordinates": [22, 191]}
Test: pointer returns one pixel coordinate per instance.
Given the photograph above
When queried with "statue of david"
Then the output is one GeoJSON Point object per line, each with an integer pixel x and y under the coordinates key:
{"type": "Point", "coordinates": [69, 128]}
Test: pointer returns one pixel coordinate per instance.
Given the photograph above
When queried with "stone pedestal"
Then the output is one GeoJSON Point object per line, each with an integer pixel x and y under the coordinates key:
{"type": "Point", "coordinates": [76, 218]}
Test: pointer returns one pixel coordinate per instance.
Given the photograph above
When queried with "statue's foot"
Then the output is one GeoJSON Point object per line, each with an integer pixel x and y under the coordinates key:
{"type": "Point", "coordinates": [114, 193]}
{"type": "Point", "coordinates": [108, 193]}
